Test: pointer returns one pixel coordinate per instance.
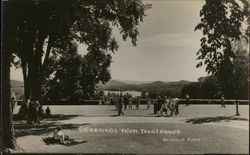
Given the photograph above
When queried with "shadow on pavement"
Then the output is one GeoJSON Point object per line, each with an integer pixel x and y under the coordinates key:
{"type": "Point", "coordinates": [70, 142]}
{"type": "Point", "coordinates": [202, 120]}
{"type": "Point", "coordinates": [54, 117]}
{"type": "Point", "coordinates": [22, 129]}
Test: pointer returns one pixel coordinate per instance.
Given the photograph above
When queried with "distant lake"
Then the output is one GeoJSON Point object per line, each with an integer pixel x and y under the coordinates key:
{"type": "Point", "coordinates": [134, 93]}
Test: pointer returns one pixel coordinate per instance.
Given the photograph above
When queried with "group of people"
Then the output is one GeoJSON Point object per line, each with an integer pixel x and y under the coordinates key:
{"type": "Point", "coordinates": [161, 104]}
{"type": "Point", "coordinates": [32, 111]}
{"type": "Point", "coordinates": [123, 101]}
{"type": "Point", "coordinates": [166, 104]}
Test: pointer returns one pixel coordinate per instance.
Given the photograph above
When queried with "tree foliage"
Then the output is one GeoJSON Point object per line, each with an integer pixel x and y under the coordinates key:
{"type": "Point", "coordinates": [221, 23]}
{"type": "Point", "coordinates": [38, 29]}
{"type": "Point", "coordinates": [73, 76]}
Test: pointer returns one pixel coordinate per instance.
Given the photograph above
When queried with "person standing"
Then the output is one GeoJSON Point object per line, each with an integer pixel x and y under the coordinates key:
{"type": "Point", "coordinates": [35, 111]}
{"type": "Point", "coordinates": [223, 101]}
{"type": "Point", "coordinates": [30, 112]}
{"type": "Point", "coordinates": [137, 102]}
{"type": "Point", "coordinates": [157, 105]}
{"type": "Point", "coordinates": [40, 112]}
{"type": "Point", "coordinates": [187, 99]}
{"type": "Point", "coordinates": [172, 105]}
{"type": "Point", "coordinates": [111, 100]}
{"type": "Point", "coordinates": [125, 102]}
{"type": "Point", "coordinates": [148, 103]}
{"type": "Point", "coordinates": [48, 112]}
{"type": "Point", "coordinates": [116, 102]}
{"type": "Point", "coordinates": [162, 106]}
{"type": "Point", "coordinates": [176, 106]}
{"type": "Point", "coordinates": [167, 105]}
{"type": "Point", "coordinates": [130, 103]}
{"type": "Point", "coordinates": [120, 106]}
{"type": "Point", "coordinates": [12, 103]}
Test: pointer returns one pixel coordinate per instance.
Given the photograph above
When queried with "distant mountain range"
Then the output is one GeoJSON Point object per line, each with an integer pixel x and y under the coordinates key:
{"type": "Point", "coordinates": [15, 83]}
{"type": "Point", "coordinates": [17, 90]}
{"type": "Point", "coordinates": [17, 86]}
{"type": "Point", "coordinates": [147, 86]}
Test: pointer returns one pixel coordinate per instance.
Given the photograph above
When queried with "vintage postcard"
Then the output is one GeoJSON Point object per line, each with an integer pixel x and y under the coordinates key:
{"type": "Point", "coordinates": [125, 76]}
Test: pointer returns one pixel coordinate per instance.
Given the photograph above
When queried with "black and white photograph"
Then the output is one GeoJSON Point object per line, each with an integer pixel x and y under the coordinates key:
{"type": "Point", "coordinates": [125, 76]}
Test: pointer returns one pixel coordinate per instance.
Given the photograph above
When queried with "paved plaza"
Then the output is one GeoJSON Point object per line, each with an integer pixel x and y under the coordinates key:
{"type": "Point", "coordinates": [97, 129]}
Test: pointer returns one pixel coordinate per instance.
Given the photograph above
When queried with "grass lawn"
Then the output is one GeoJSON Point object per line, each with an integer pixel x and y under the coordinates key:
{"type": "Point", "coordinates": [201, 129]}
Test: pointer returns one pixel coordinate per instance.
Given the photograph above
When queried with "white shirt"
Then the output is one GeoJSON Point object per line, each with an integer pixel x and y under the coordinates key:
{"type": "Point", "coordinates": [58, 135]}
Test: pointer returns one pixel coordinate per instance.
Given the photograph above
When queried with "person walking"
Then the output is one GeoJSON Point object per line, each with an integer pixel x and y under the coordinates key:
{"type": "Point", "coordinates": [148, 103]}
{"type": "Point", "coordinates": [223, 101]}
{"type": "Point", "coordinates": [40, 112]}
{"type": "Point", "coordinates": [30, 112]}
{"type": "Point", "coordinates": [125, 102]}
{"type": "Point", "coordinates": [120, 106]}
{"type": "Point", "coordinates": [130, 103]}
{"type": "Point", "coordinates": [116, 102]}
{"type": "Point", "coordinates": [157, 105]}
{"type": "Point", "coordinates": [23, 111]}
{"type": "Point", "coordinates": [187, 99]}
{"type": "Point", "coordinates": [167, 105]}
{"type": "Point", "coordinates": [36, 112]}
{"type": "Point", "coordinates": [13, 103]}
{"type": "Point", "coordinates": [172, 106]}
{"type": "Point", "coordinates": [162, 106]}
{"type": "Point", "coordinates": [177, 105]}
{"type": "Point", "coordinates": [137, 102]}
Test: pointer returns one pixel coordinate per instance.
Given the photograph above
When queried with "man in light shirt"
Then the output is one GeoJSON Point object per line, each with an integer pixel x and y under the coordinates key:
{"type": "Point", "coordinates": [176, 100]}
{"type": "Point", "coordinates": [59, 135]}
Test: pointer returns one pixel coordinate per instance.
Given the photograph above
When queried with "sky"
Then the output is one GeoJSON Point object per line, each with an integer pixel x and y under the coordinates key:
{"type": "Point", "coordinates": [166, 47]}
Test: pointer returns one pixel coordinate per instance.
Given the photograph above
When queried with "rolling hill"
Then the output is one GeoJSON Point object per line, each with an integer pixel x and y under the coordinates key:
{"type": "Point", "coordinates": [17, 89]}
{"type": "Point", "coordinates": [151, 86]}
{"type": "Point", "coordinates": [17, 86]}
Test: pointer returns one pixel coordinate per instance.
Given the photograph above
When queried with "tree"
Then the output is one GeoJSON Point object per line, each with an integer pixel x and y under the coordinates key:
{"type": "Point", "coordinates": [241, 64]}
{"type": "Point", "coordinates": [37, 29]}
{"type": "Point", "coordinates": [192, 89]}
{"type": "Point", "coordinates": [40, 28]}
{"type": "Point", "coordinates": [74, 77]}
{"type": "Point", "coordinates": [209, 87]}
{"type": "Point", "coordinates": [7, 127]}
{"type": "Point", "coordinates": [221, 23]}
{"type": "Point", "coordinates": [64, 82]}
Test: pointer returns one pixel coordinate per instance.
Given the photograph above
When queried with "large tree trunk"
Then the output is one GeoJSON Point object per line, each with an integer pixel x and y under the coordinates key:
{"type": "Point", "coordinates": [33, 84]}
{"type": "Point", "coordinates": [33, 71]}
{"type": "Point", "coordinates": [37, 78]}
{"type": "Point", "coordinates": [25, 80]}
{"type": "Point", "coordinates": [7, 124]}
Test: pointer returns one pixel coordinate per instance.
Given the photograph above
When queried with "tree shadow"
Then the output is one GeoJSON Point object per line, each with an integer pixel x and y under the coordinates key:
{"type": "Point", "coordinates": [75, 142]}
{"type": "Point", "coordinates": [54, 117]}
{"type": "Point", "coordinates": [158, 115]}
{"type": "Point", "coordinates": [57, 117]}
{"type": "Point", "coordinates": [23, 129]}
{"type": "Point", "coordinates": [217, 119]}
{"type": "Point", "coordinates": [116, 115]}
{"type": "Point", "coordinates": [70, 142]}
